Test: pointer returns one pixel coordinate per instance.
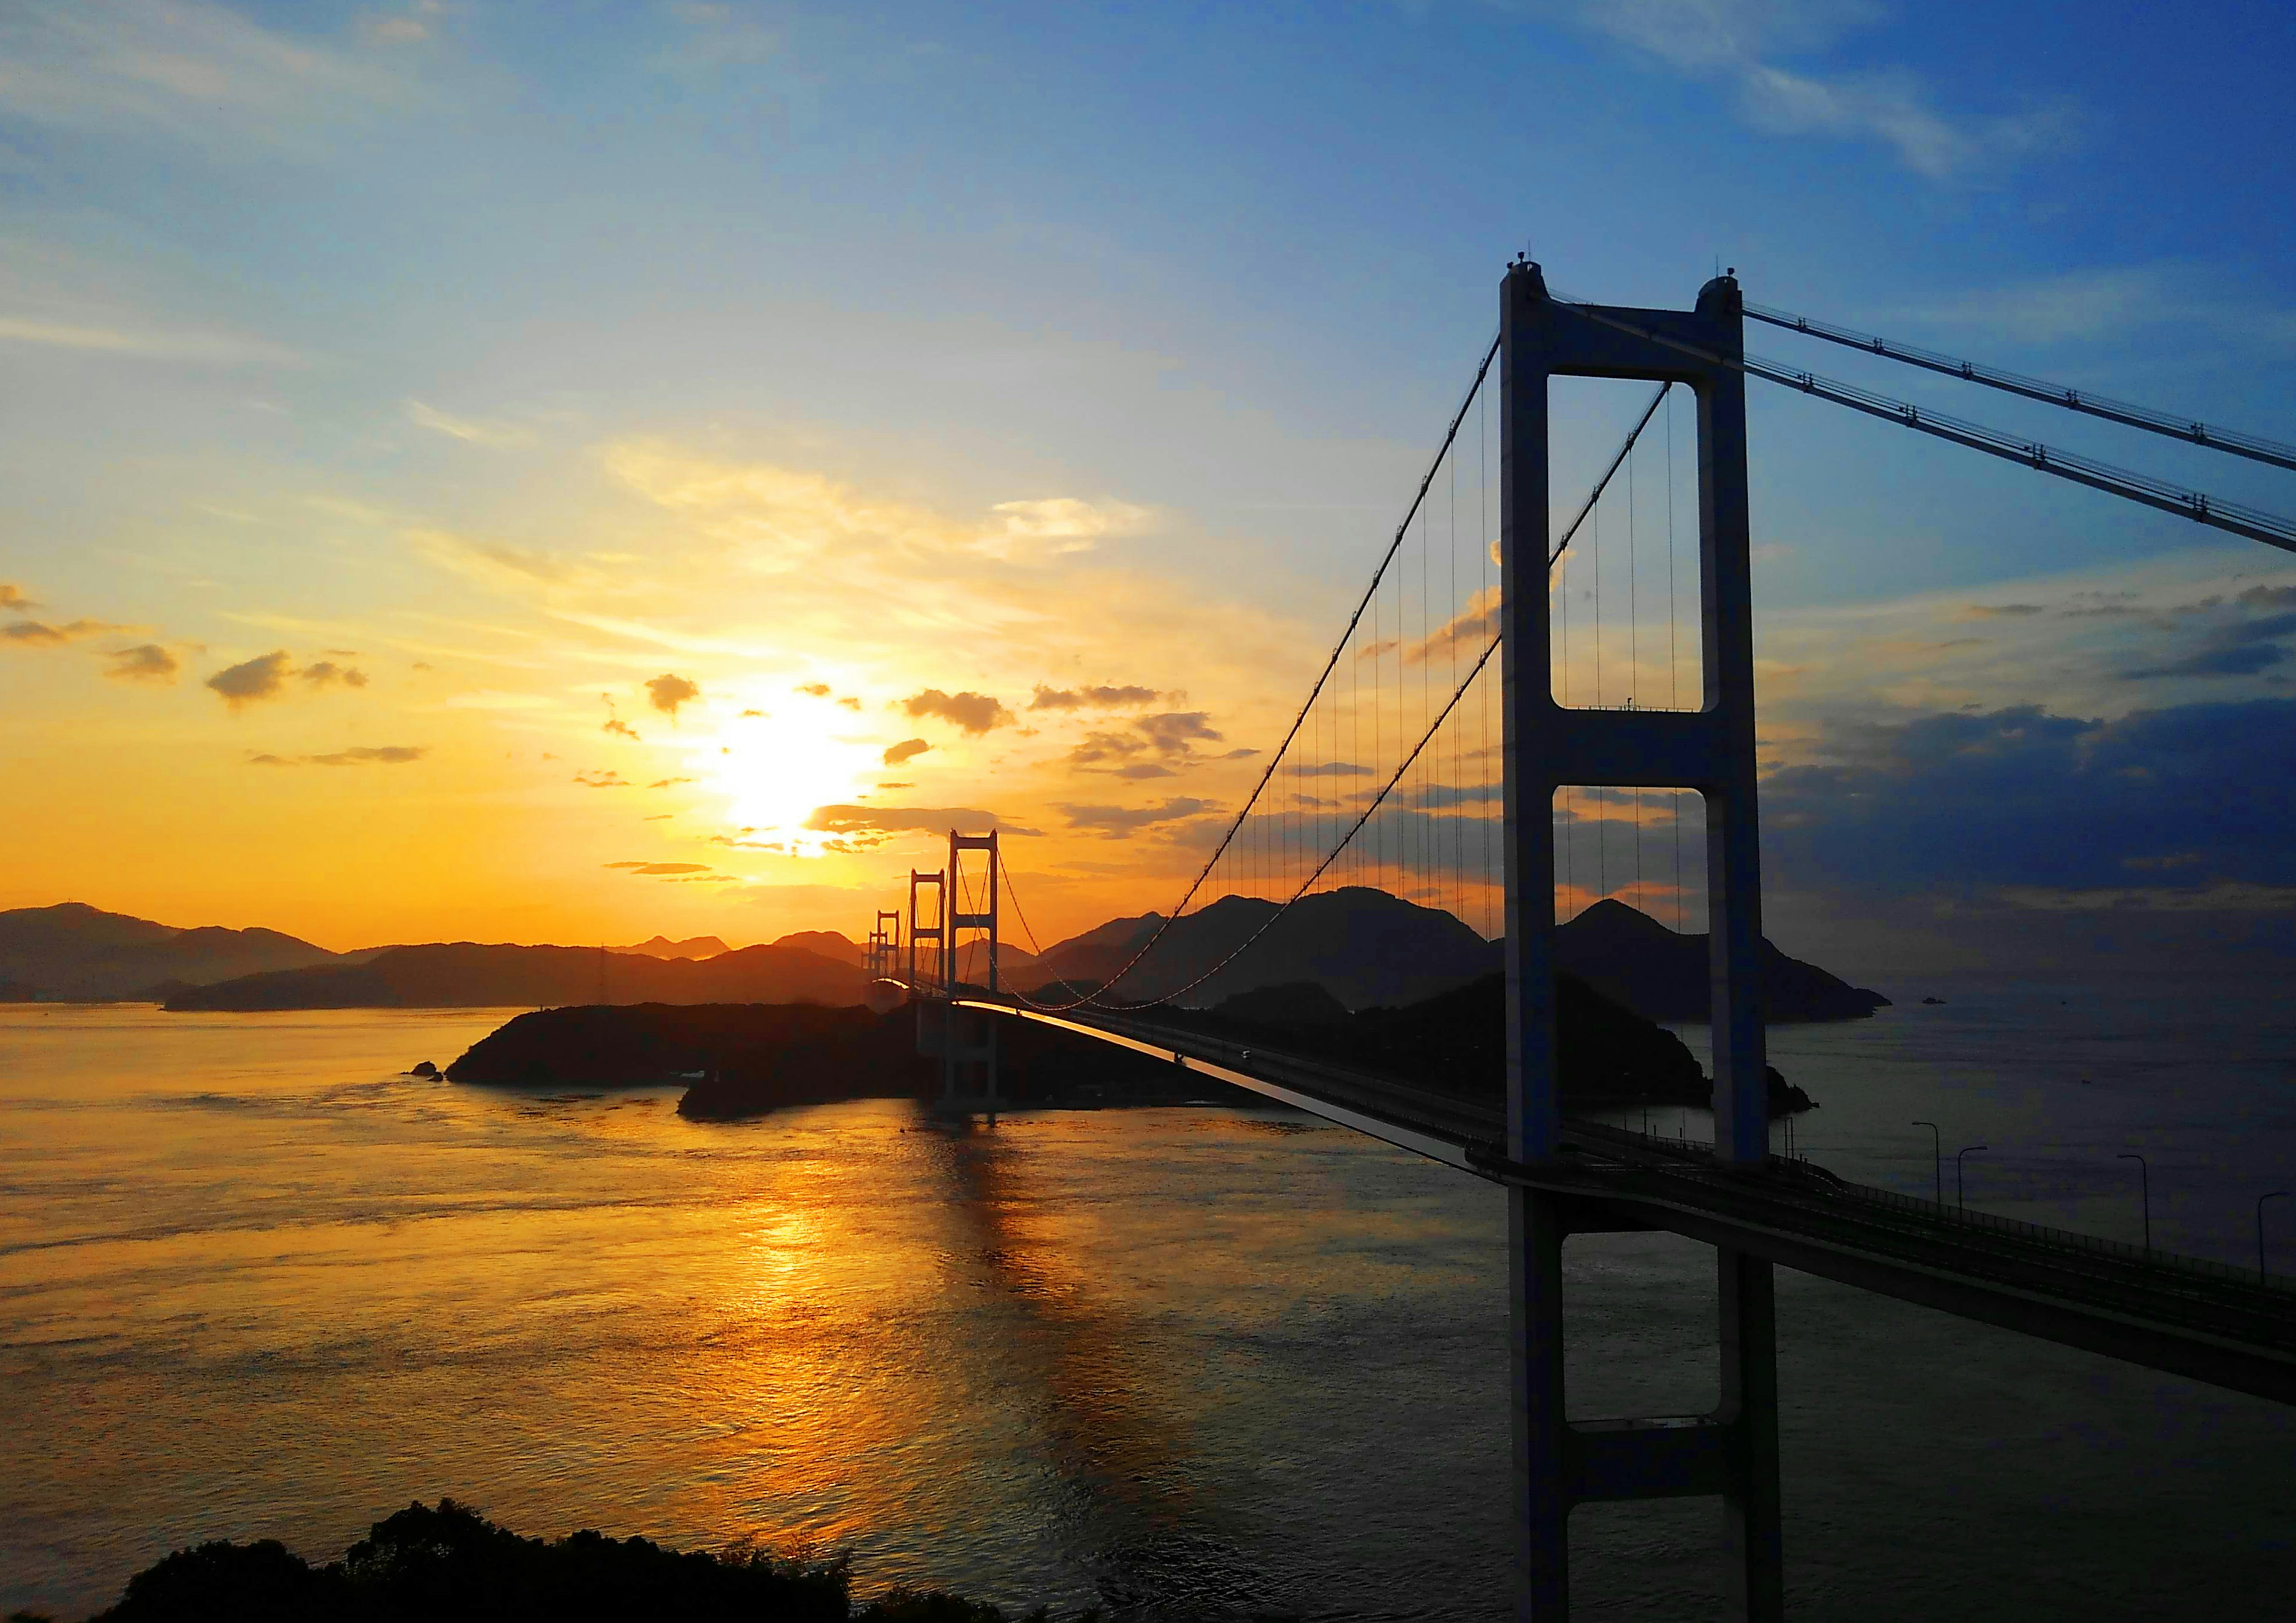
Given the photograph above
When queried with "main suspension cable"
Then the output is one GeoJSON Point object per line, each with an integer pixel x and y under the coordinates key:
{"type": "Point", "coordinates": [2251, 446]}
{"type": "Point", "coordinates": [2252, 523]}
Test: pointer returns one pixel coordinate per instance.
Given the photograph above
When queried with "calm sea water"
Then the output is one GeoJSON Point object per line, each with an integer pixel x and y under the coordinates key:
{"type": "Point", "coordinates": [1193, 1363]}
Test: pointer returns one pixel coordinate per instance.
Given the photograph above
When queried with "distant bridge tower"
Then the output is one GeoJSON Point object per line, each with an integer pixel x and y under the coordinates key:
{"type": "Point", "coordinates": [926, 979]}
{"type": "Point", "coordinates": [968, 1064]}
{"type": "Point", "coordinates": [1733, 1451]}
{"type": "Point", "coordinates": [882, 991]}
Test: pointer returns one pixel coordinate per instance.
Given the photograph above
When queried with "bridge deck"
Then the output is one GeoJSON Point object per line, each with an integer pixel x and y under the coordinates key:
{"type": "Point", "coordinates": [2179, 1315]}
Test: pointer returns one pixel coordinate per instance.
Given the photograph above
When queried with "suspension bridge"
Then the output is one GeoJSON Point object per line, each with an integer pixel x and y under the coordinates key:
{"type": "Point", "coordinates": [1622, 672]}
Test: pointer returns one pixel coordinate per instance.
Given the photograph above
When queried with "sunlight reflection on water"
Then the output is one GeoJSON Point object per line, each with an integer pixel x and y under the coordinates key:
{"type": "Point", "coordinates": [1192, 1361]}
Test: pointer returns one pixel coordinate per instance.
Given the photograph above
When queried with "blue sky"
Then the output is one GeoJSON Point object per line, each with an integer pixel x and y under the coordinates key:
{"type": "Point", "coordinates": [461, 330]}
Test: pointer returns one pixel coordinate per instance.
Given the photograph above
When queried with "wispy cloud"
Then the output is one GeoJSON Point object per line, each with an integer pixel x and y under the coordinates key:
{"type": "Point", "coordinates": [145, 342]}
{"type": "Point", "coordinates": [2109, 299]}
{"type": "Point", "coordinates": [1744, 43]}
{"type": "Point", "coordinates": [492, 433]}
{"type": "Point", "coordinates": [178, 69]}
{"type": "Point", "coordinates": [381, 755]}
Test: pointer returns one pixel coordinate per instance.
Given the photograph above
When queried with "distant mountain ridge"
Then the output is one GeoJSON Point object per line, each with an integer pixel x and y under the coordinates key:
{"type": "Point", "coordinates": [72, 951]}
{"type": "Point", "coordinates": [473, 975]}
{"type": "Point", "coordinates": [1363, 947]}
{"type": "Point", "coordinates": [662, 946]}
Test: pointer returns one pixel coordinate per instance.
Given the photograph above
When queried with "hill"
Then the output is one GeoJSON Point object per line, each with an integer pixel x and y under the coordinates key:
{"type": "Point", "coordinates": [469, 975]}
{"type": "Point", "coordinates": [745, 1059]}
{"type": "Point", "coordinates": [662, 946]}
{"type": "Point", "coordinates": [1363, 947]}
{"type": "Point", "coordinates": [1632, 959]}
{"type": "Point", "coordinates": [73, 951]}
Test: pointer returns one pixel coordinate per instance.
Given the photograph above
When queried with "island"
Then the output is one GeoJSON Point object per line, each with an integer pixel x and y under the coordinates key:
{"type": "Point", "coordinates": [740, 1059]}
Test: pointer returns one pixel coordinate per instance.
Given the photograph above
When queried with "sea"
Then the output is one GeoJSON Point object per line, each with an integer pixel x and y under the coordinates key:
{"type": "Point", "coordinates": [1201, 1362]}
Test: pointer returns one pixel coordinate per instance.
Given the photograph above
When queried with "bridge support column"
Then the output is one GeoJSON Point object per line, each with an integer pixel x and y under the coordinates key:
{"type": "Point", "coordinates": [1732, 1452]}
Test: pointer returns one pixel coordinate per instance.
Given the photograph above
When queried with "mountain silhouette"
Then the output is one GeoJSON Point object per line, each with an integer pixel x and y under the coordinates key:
{"type": "Point", "coordinates": [662, 946]}
{"type": "Point", "coordinates": [1632, 959]}
{"type": "Point", "coordinates": [75, 951]}
{"type": "Point", "coordinates": [469, 975]}
{"type": "Point", "coordinates": [1363, 947]}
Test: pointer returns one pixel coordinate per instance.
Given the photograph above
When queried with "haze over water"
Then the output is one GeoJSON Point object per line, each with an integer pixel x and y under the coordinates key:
{"type": "Point", "coordinates": [1191, 1362]}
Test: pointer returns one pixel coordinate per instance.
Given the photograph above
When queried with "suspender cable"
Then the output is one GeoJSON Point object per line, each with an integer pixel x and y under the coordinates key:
{"type": "Point", "coordinates": [2250, 445]}
{"type": "Point", "coordinates": [1402, 530]}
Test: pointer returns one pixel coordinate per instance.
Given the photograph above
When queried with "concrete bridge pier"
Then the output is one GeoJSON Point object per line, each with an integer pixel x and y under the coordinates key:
{"type": "Point", "coordinates": [1731, 1452]}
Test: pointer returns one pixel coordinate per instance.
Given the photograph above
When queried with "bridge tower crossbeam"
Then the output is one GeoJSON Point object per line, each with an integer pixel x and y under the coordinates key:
{"type": "Point", "coordinates": [1733, 1451]}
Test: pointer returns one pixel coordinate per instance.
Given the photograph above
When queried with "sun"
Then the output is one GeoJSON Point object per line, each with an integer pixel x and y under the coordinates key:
{"type": "Point", "coordinates": [774, 770]}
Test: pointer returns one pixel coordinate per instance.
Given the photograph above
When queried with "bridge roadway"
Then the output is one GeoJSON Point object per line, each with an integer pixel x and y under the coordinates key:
{"type": "Point", "coordinates": [2186, 1316]}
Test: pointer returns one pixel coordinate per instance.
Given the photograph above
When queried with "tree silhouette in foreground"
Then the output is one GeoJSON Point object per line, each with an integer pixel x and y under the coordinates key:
{"type": "Point", "coordinates": [446, 1563]}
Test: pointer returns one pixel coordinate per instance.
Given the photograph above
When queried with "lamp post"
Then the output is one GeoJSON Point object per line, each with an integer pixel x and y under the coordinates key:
{"type": "Point", "coordinates": [2277, 1194]}
{"type": "Point", "coordinates": [2145, 1183]}
{"type": "Point", "coordinates": [1961, 1189]}
{"type": "Point", "coordinates": [1937, 1159]}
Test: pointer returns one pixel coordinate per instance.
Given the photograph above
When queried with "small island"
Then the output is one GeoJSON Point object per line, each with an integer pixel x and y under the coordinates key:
{"type": "Point", "coordinates": [742, 1060]}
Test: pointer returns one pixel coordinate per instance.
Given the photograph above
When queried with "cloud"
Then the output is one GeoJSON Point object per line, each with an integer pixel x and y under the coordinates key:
{"type": "Point", "coordinates": [975, 713]}
{"type": "Point", "coordinates": [616, 725]}
{"type": "Point", "coordinates": [907, 749]}
{"type": "Point", "coordinates": [601, 780]}
{"type": "Point", "coordinates": [665, 692]}
{"type": "Point", "coordinates": [215, 348]}
{"type": "Point", "coordinates": [181, 71]}
{"type": "Point", "coordinates": [2020, 798]}
{"type": "Point", "coordinates": [1058, 525]}
{"type": "Point", "coordinates": [1094, 748]}
{"type": "Point", "coordinates": [1096, 698]}
{"type": "Point", "coordinates": [1175, 732]}
{"type": "Point", "coordinates": [12, 599]}
{"type": "Point", "coordinates": [668, 782]}
{"type": "Point", "coordinates": [1739, 42]}
{"type": "Point", "coordinates": [1144, 769]}
{"type": "Point", "coordinates": [777, 520]}
{"type": "Point", "coordinates": [35, 633]}
{"type": "Point", "coordinates": [908, 819]}
{"type": "Point", "coordinates": [1117, 822]}
{"type": "Point", "coordinates": [470, 431]}
{"type": "Point", "coordinates": [2102, 300]}
{"type": "Point", "coordinates": [144, 662]}
{"type": "Point", "coordinates": [382, 755]}
{"type": "Point", "coordinates": [819, 689]}
{"type": "Point", "coordinates": [661, 867]}
{"type": "Point", "coordinates": [2242, 648]}
{"type": "Point", "coordinates": [264, 676]}
{"type": "Point", "coordinates": [1985, 611]}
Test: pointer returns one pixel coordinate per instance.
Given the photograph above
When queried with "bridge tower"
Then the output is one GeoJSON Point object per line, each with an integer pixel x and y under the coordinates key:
{"type": "Point", "coordinates": [969, 1053]}
{"type": "Point", "coordinates": [1731, 1452]}
{"type": "Point", "coordinates": [925, 981]}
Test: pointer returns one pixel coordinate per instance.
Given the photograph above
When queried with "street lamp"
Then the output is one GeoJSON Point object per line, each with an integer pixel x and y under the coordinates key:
{"type": "Point", "coordinates": [1937, 1159]}
{"type": "Point", "coordinates": [2145, 1183]}
{"type": "Point", "coordinates": [2277, 1194]}
{"type": "Point", "coordinates": [1960, 1190]}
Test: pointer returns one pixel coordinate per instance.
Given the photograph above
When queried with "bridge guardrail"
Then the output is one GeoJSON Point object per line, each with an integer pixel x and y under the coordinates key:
{"type": "Point", "coordinates": [2060, 1239]}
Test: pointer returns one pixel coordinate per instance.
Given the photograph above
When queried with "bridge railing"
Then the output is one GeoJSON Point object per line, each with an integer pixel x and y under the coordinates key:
{"type": "Point", "coordinates": [2198, 1269]}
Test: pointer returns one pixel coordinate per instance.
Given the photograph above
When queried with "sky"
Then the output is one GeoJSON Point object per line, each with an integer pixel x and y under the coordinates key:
{"type": "Point", "coordinates": [563, 472]}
